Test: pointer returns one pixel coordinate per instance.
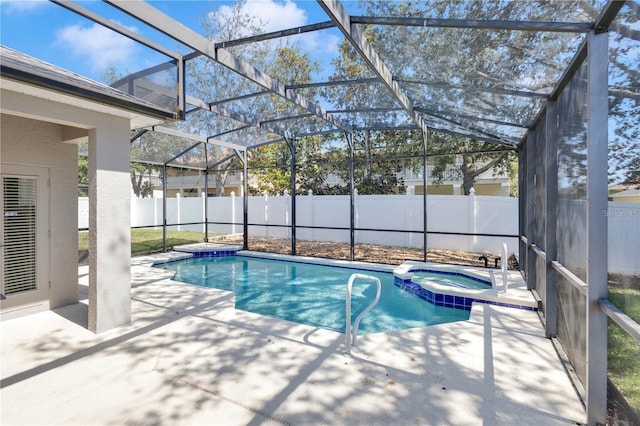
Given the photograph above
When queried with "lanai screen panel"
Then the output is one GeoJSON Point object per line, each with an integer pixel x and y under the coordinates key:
{"type": "Point", "coordinates": [211, 82]}
{"type": "Point", "coordinates": [623, 213]}
{"type": "Point", "coordinates": [203, 123]}
{"type": "Point", "coordinates": [572, 216]}
{"type": "Point", "coordinates": [247, 137]}
{"type": "Point", "coordinates": [157, 85]}
{"type": "Point", "coordinates": [158, 148]}
{"type": "Point", "coordinates": [491, 73]}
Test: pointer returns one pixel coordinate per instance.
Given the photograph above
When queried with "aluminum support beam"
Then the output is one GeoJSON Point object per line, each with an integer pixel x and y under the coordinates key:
{"type": "Point", "coordinates": [276, 34]}
{"type": "Point", "coordinates": [352, 188]}
{"type": "Point", "coordinates": [206, 206]}
{"type": "Point", "coordinates": [522, 204]}
{"type": "Point", "coordinates": [179, 32]}
{"type": "Point", "coordinates": [241, 118]}
{"type": "Point", "coordinates": [479, 24]}
{"type": "Point", "coordinates": [240, 98]}
{"type": "Point", "coordinates": [597, 174]}
{"type": "Point", "coordinates": [531, 209]}
{"type": "Point", "coordinates": [164, 208]}
{"type": "Point", "coordinates": [340, 16]}
{"type": "Point", "coordinates": [197, 138]}
{"type": "Point", "coordinates": [551, 220]}
{"type": "Point", "coordinates": [291, 143]}
{"type": "Point", "coordinates": [471, 117]}
{"type": "Point", "coordinates": [245, 201]}
{"type": "Point", "coordinates": [424, 195]}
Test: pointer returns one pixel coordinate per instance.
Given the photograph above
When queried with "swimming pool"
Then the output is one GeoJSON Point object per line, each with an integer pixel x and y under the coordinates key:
{"type": "Point", "coordinates": [311, 294]}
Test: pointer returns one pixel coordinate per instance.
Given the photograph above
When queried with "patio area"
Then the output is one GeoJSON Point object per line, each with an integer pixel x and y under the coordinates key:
{"type": "Point", "coordinates": [189, 357]}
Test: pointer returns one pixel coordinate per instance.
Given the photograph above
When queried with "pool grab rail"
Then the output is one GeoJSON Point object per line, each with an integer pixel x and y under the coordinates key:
{"type": "Point", "coordinates": [351, 340]}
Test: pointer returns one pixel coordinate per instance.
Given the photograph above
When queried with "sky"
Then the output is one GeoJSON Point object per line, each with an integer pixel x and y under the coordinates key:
{"type": "Point", "coordinates": [53, 34]}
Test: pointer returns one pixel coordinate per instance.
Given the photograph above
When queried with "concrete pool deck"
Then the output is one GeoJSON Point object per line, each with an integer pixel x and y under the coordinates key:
{"type": "Point", "coordinates": [189, 357]}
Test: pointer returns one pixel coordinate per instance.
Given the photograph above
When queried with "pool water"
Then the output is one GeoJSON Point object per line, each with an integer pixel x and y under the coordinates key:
{"type": "Point", "coordinates": [451, 280]}
{"type": "Point", "coordinates": [311, 294]}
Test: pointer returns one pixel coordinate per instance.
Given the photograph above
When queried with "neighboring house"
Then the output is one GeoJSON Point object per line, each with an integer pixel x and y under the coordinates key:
{"type": "Point", "coordinates": [45, 112]}
{"type": "Point", "coordinates": [630, 195]}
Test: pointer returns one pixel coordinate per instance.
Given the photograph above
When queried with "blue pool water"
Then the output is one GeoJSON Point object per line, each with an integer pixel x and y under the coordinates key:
{"type": "Point", "coordinates": [311, 294]}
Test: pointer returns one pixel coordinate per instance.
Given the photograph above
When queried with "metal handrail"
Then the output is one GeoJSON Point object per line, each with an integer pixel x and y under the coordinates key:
{"type": "Point", "coordinates": [351, 340]}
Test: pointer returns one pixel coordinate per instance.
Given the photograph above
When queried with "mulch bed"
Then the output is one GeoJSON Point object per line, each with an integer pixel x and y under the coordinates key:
{"type": "Point", "coordinates": [368, 252]}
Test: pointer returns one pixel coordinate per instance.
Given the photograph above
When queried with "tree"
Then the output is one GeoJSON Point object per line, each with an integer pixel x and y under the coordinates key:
{"type": "Point", "coordinates": [211, 82]}
{"type": "Point", "coordinates": [273, 162]}
{"type": "Point", "coordinates": [488, 157]}
{"type": "Point", "coordinates": [380, 155]}
{"type": "Point", "coordinates": [83, 174]}
{"type": "Point", "coordinates": [529, 60]}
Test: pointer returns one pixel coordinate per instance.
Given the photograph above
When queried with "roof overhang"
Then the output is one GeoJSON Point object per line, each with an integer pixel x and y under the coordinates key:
{"type": "Point", "coordinates": [25, 75]}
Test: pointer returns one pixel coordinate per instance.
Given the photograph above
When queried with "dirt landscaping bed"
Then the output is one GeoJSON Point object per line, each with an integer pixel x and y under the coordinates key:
{"type": "Point", "coordinates": [368, 252]}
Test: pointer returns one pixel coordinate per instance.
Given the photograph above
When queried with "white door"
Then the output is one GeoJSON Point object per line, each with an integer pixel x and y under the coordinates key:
{"type": "Point", "coordinates": [25, 239]}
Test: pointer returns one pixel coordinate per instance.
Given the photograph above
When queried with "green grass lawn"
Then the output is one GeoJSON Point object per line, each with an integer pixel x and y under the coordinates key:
{"type": "Point", "coordinates": [145, 241]}
{"type": "Point", "coordinates": [624, 351]}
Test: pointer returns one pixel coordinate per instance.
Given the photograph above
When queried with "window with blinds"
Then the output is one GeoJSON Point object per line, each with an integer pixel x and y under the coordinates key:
{"type": "Point", "coordinates": [19, 257]}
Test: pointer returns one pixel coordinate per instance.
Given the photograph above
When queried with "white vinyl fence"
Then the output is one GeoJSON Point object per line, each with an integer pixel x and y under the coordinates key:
{"type": "Point", "coordinates": [447, 214]}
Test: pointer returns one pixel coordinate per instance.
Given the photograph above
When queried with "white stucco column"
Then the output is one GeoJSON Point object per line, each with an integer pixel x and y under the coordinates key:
{"type": "Point", "coordinates": [109, 226]}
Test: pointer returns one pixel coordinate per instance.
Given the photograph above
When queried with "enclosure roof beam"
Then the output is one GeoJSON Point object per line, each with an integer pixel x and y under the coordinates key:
{"type": "Point", "coordinates": [198, 138]}
{"type": "Point", "coordinates": [472, 117]}
{"type": "Point", "coordinates": [340, 16]}
{"type": "Point", "coordinates": [181, 153]}
{"type": "Point", "coordinates": [608, 15]}
{"type": "Point", "coordinates": [511, 92]}
{"type": "Point", "coordinates": [224, 159]}
{"type": "Point", "coordinates": [289, 117]}
{"type": "Point", "coordinates": [480, 138]}
{"type": "Point", "coordinates": [241, 118]}
{"type": "Point", "coordinates": [276, 34]}
{"type": "Point", "coordinates": [472, 129]}
{"type": "Point", "coordinates": [334, 83]}
{"type": "Point", "coordinates": [364, 109]}
{"type": "Point", "coordinates": [268, 36]}
{"type": "Point", "coordinates": [69, 5]}
{"type": "Point", "coordinates": [499, 91]}
{"type": "Point", "coordinates": [240, 98]}
{"type": "Point", "coordinates": [138, 134]}
{"type": "Point", "coordinates": [176, 30]}
{"type": "Point", "coordinates": [266, 143]}
{"type": "Point", "coordinates": [481, 24]}
{"type": "Point", "coordinates": [217, 135]}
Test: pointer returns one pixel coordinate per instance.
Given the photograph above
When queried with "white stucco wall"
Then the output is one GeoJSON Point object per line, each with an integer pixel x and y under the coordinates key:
{"type": "Point", "coordinates": [31, 142]}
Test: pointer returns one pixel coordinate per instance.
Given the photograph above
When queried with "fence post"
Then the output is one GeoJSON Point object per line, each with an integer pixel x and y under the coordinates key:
{"type": "Point", "coordinates": [203, 195]}
{"type": "Point", "coordinates": [233, 212]}
{"type": "Point", "coordinates": [286, 198]}
{"type": "Point", "coordinates": [472, 219]}
{"type": "Point", "coordinates": [266, 214]}
{"type": "Point", "coordinates": [310, 195]}
{"type": "Point", "coordinates": [178, 208]}
{"type": "Point", "coordinates": [356, 214]}
{"type": "Point", "coordinates": [408, 212]}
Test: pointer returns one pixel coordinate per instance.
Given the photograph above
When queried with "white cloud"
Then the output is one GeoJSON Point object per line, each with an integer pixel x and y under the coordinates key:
{"type": "Point", "coordinates": [274, 15]}
{"type": "Point", "coordinates": [18, 6]}
{"type": "Point", "coordinates": [277, 16]}
{"type": "Point", "coordinates": [100, 46]}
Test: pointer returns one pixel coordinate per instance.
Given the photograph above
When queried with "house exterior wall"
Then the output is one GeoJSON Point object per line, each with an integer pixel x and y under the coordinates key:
{"type": "Point", "coordinates": [31, 142]}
